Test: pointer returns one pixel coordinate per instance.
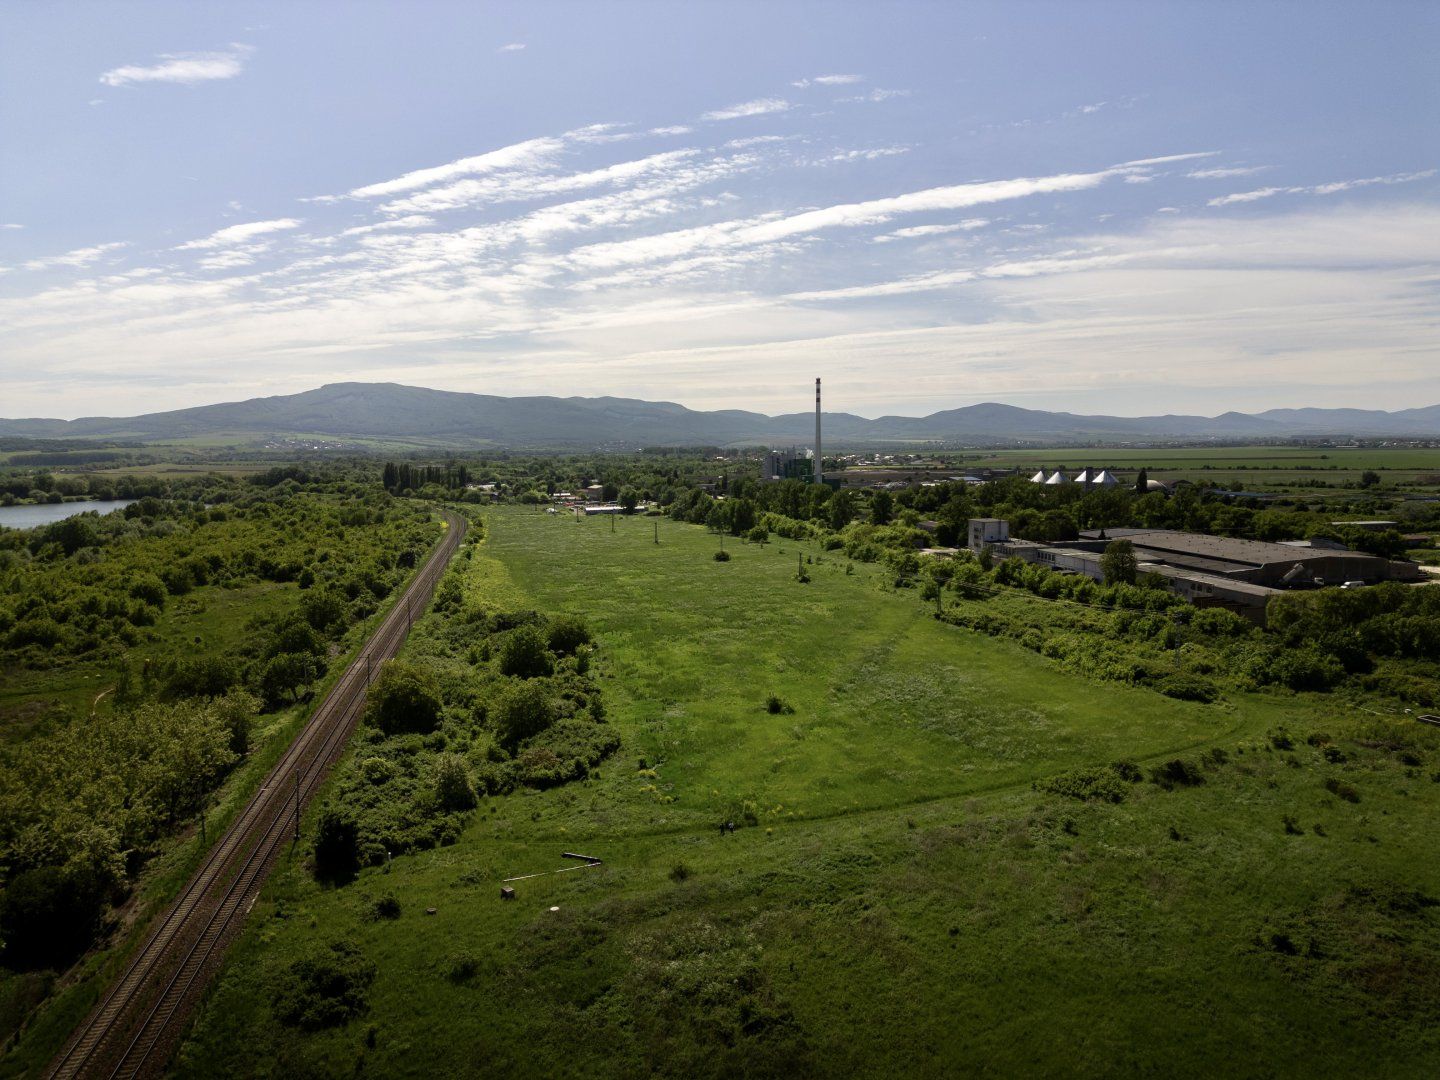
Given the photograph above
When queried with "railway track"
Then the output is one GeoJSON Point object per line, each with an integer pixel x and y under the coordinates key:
{"type": "Point", "coordinates": [134, 1028]}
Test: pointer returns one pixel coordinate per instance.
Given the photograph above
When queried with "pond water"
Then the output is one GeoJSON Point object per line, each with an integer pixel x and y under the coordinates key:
{"type": "Point", "coordinates": [27, 517]}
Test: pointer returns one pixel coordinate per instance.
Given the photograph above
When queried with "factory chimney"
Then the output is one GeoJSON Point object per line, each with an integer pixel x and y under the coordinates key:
{"type": "Point", "coordinates": [819, 460]}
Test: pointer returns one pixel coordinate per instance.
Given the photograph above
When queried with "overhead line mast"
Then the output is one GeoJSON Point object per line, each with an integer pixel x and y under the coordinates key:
{"type": "Point", "coordinates": [819, 459]}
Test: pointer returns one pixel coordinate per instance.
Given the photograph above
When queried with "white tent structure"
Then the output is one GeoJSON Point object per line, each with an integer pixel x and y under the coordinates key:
{"type": "Point", "coordinates": [1084, 476]}
{"type": "Point", "coordinates": [1038, 478]}
{"type": "Point", "coordinates": [1105, 478]}
{"type": "Point", "coordinates": [1056, 479]}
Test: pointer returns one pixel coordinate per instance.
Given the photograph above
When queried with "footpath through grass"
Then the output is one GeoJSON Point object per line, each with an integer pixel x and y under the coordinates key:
{"type": "Point", "coordinates": [904, 901]}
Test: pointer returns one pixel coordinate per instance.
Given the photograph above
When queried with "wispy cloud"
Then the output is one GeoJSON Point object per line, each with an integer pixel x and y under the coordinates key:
{"type": "Point", "coordinates": [1318, 189]}
{"type": "Point", "coordinates": [1087, 109]}
{"type": "Point", "coordinates": [1167, 159]}
{"type": "Point", "coordinates": [411, 221]}
{"type": "Point", "coordinates": [827, 80]}
{"type": "Point", "coordinates": [188, 68]}
{"type": "Point", "coordinates": [758, 107]}
{"type": "Point", "coordinates": [239, 234]}
{"type": "Point", "coordinates": [79, 257]}
{"type": "Point", "coordinates": [530, 154]}
{"type": "Point", "coordinates": [11, 225]}
{"type": "Point", "coordinates": [878, 94]}
{"type": "Point", "coordinates": [514, 46]}
{"type": "Point", "coordinates": [1221, 174]}
{"type": "Point", "coordinates": [915, 231]}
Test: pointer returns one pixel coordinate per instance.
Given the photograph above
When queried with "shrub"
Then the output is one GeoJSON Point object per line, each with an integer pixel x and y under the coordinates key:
{"type": "Point", "coordinates": [776, 705]}
{"type": "Point", "coordinates": [1176, 773]}
{"type": "Point", "coordinates": [523, 710]}
{"type": "Point", "coordinates": [1342, 790]}
{"type": "Point", "coordinates": [1102, 783]}
{"type": "Point", "coordinates": [462, 967]}
{"type": "Point", "coordinates": [524, 655]}
{"type": "Point", "coordinates": [49, 916]}
{"type": "Point", "coordinates": [679, 872]}
{"type": "Point", "coordinates": [385, 907]}
{"type": "Point", "coordinates": [1187, 688]}
{"type": "Point", "coordinates": [453, 788]}
{"type": "Point", "coordinates": [337, 845]}
{"type": "Point", "coordinates": [721, 556]}
{"type": "Point", "coordinates": [325, 987]}
{"type": "Point", "coordinates": [567, 634]}
{"type": "Point", "coordinates": [403, 698]}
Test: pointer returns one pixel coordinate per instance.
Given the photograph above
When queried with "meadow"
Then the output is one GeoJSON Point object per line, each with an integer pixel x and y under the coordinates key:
{"type": "Point", "coordinates": [898, 896]}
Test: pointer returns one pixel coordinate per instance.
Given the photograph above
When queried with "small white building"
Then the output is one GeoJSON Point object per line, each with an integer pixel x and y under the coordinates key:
{"type": "Point", "coordinates": [987, 531]}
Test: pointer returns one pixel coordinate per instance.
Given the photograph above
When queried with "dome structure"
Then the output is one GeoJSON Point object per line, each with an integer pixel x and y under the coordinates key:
{"type": "Point", "coordinates": [1157, 485]}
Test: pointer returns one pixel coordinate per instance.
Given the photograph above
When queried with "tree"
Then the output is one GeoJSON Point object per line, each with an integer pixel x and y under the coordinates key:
{"type": "Point", "coordinates": [453, 787]}
{"type": "Point", "coordinates": [567, 634]}
{"type": "Point", "coordinates": [1369, 478]}
{"type": "Point", "coordinates": [402, 699]}
{"type": "Point", "coordinates": [286, 674]}
{"type": "Point", "coordinates": [882, 507]}
{"type": "Point", "coordinates": [629, 499]}
{"type": "Point", "coordinates": [1142, 482]}
{"type": "Point", "coordinates": [524, 710]}
{"type": "Point", "coordinates": [49, 916]}
{"type": "Point", "coordinates": [337, 845]}
{"type": "Point", "coordinates": [523, 654]}
{"type": "Point", "coordinates": [1119, 564]}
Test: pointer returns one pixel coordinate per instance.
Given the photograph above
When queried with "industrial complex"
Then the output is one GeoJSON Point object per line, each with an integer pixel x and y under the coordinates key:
{"type": "Point", "coordinates": [1209, 571]}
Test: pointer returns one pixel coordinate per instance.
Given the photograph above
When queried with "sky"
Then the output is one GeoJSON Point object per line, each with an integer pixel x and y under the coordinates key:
{"type": "Point", "coordinates": [1122, 208]}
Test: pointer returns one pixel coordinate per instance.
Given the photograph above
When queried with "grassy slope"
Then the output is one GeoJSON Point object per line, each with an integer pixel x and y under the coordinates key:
{"type": "Point", "coordinates": [907, 900]}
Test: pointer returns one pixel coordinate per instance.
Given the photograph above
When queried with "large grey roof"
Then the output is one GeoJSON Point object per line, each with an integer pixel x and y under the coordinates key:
{"type": "Point", "coordinates": [1212, 548]}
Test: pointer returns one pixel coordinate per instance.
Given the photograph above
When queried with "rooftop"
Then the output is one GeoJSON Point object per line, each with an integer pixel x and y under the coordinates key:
{"type": "Point", "coordinates": [1222, 549]}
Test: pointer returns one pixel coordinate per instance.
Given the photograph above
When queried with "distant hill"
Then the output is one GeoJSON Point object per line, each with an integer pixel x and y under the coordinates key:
{"type": "Point", "coordinates": [392, 411]}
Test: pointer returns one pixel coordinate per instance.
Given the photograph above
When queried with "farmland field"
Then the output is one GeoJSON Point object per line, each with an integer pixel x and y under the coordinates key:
{"type": "Point", "coordinates": [898, 899]}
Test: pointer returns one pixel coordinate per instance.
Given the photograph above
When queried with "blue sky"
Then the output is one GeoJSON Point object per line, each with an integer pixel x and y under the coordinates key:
{"type": "Point", "coordinates": [1118, 208]}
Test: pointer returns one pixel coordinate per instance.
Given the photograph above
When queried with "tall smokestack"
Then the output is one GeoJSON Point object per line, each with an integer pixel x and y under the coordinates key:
{"type": "Point", "coordinates": [819, 460]}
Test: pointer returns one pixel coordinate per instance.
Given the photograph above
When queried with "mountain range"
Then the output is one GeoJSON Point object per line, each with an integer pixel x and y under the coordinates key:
{"type": "Point", "coordinates": [389, 411]}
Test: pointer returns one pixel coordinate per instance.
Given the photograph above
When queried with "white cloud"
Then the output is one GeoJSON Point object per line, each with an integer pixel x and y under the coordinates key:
{"type": "Point", "coordinates": [932, 230]}
{"type": "Point", "coordinates": [530, 154]}
{"type": "Point", "coordinates": [79, 257]}
{"type": "Point", "coordinates": [758, 107]}
{"type": "Point", "coordinates": [869, 155]}
{"type": "Point", "coordinates": [1318, 189]}
{"type": "Point", "coordinates": [514, 46]}
{"type": "Point", "coordinates": [411, 221]}
{"type": "Point", "coordinates": [827, 80]}
{"type": "Point", "coordinates": [11, 225]}
{"type": "Point", "coordinates": [877, 94]}
{"type": "Point", "coordinates": [1167, 159]}
{"type": "Point", "coordinates": [1220, 174]}
{"type": "Point", "coordinates": [188, 68]}
{"type": "Point", "coordinates": [674, 129]}
{"type": "Point", "coordinates": [238, 234]}
{"type": "Point", "coordinates": [1087, 109]}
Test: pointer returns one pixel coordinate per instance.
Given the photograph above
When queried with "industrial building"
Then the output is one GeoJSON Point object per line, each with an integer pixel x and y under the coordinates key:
{"type": "Point", "coordinates": [1210, 571]}
{"type": "Point", "coordinates": [1086, 478]}
{"type": "Point", "coordinates": [794, 464]}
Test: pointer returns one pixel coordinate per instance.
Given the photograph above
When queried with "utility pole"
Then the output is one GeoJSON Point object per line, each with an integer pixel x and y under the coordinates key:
{"type": "Point", "coordinates": [657, 532]}
{"type": "Point", "coordinates": [612, 524]}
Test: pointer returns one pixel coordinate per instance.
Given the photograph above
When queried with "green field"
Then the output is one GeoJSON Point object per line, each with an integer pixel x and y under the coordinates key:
{"type": "Point", "coordinates": [904, 902]}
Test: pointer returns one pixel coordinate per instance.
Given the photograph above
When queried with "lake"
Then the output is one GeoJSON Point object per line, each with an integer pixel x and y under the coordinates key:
{"type": "Point", "coordinates": [27, 517]}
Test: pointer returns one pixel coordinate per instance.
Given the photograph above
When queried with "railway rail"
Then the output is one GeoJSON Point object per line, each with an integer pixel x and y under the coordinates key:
{"type": "Point", "coordinates": [138, 1021]}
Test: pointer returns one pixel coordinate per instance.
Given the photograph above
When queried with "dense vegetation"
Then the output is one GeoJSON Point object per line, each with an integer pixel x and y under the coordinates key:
{"type": "Point", "coordinates": [486, 700]}
{"type": "Point", "coordinates": [192, 626]}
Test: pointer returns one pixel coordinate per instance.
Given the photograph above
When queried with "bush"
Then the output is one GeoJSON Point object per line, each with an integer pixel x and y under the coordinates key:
{"type": "Point", "coordinates": [1188, 688]}
{"type": "Point", "coordinates": [523, 710]}
{"type": "Point", "coordinates": [1342, 790]}
{"type": "Point", "coordinates": [326, 987]}
{"type": "Point", "coordinates": [385, 907]}
{"type": "Point", "coordinates": [403, 698]}
{"type": "Point", "coordinates": [453, 788]}
{"type": "Point", "coordinates": [776, 705]}
{"type": "Point", "coordinates": [721, 556]}
{"type": "Point", "coordinates": [1103, 783]}
{"type": "Point", "coordinates": [337, 845]}
{"type": "Point", "coordinates": [49, 916]}
{"type": "Point", "coordinates": [567, 634]}
{"type": "Point", "coordinates": [1177, 773]}
{"type": "Point", "coordinates": [524, 655]}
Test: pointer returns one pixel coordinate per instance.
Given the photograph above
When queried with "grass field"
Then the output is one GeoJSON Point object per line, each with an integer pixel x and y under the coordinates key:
{"type": "Point", "coordinates": [905, 903]}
